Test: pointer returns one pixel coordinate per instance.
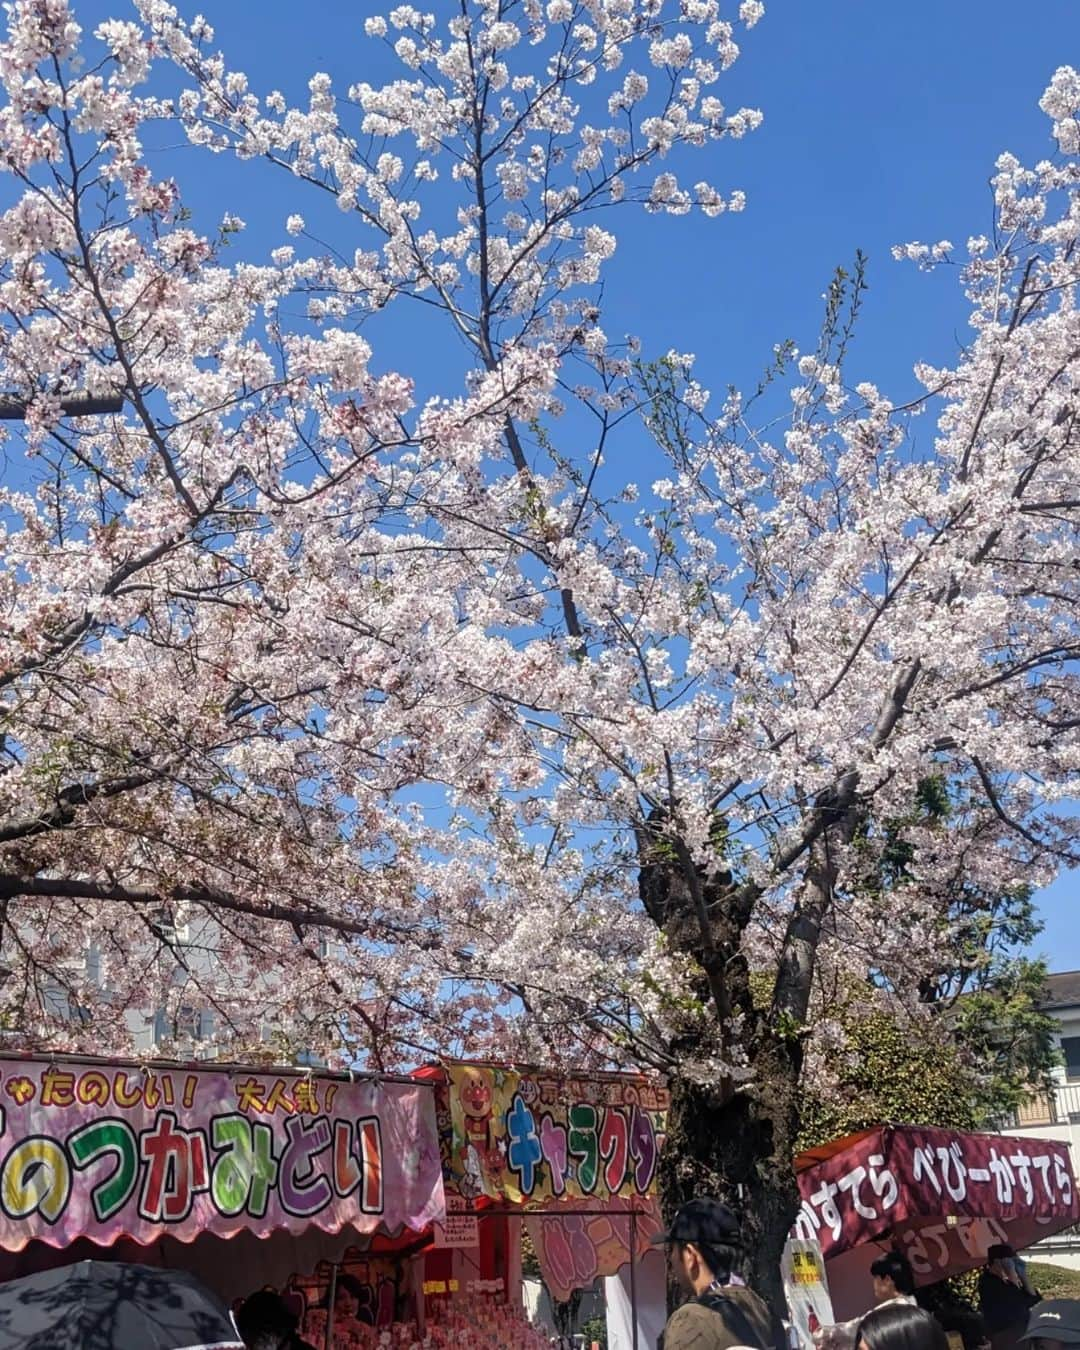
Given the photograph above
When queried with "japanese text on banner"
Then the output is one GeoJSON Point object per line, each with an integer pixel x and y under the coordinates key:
{"type": "Point", "coordinates": [101, 1150]}
{"type": "Point", "coordinates": [529, 1138]}
{"type": "Point", "coordinates": [893, 1177]}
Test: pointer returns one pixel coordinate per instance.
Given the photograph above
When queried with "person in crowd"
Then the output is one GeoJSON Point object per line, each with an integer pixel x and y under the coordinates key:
{"type": "Point", "coordinates": [1005, 1297]}
{"type": "Point", "coordinates": [266, 1322]}
{"type": "Point", "coordinates": [893, 1283]}
{"type": "Point", "coordinates": [959, 1320]}
{"type": "Point", "coordinates": [900, 1326]}
{"type": "Point", "coordinates": [1053, 1324]}
{"type": "Point", "coordinates": [704, 1243]}
{"type": "Point", "coordinates": [1020, 1266]}
{"type": "Point", "coordinates": [893, 1279]}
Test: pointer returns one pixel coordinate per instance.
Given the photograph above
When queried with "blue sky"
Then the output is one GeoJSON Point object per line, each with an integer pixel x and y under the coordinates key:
{"type": "Point", "coordinates": [882, 123]}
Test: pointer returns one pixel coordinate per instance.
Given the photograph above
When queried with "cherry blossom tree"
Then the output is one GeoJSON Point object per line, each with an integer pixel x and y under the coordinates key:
{"type": "Point", "coordinates": [437, 734]}
{"type": "Point", "coordinates": [181, 600]}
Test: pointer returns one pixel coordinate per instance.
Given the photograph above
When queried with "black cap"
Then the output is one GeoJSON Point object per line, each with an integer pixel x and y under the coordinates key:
{"type": "Point", "coordinates": [1056, 1319]}
{"type": "Point", "coordinates": [701, 1221]}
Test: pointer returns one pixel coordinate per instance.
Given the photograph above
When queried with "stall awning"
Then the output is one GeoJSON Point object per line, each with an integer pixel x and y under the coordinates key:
{"type": "Point", "coordinates": [576, 1154]}
{"type": "Point", "coordinates": [538, 1139]}
{"type": "Point", "coordinates": [122, 1155]}
{"type": "Point", "coordinates": [942, 1197]}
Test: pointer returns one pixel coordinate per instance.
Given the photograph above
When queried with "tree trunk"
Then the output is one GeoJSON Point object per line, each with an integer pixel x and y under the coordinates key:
{"type": "Point", "coordinates": [739, 1148]}
{"type": "Point", "coordinates": [733, 1143]}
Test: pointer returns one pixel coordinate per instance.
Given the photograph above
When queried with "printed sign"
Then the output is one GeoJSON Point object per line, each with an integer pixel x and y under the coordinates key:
{"type": "Point", "coordinates": [102, 1151]}
{"type": "Point", "coordinates": [366, 1295]}
{"type": "Point", "coordinates": [574, 1250]}
{"type": "Point", "coordinates": [806, 1289]}
{"type": "Point", "coordinates": [527, 1138]}
{"type": "Point", "coordinates": [461, 1228]}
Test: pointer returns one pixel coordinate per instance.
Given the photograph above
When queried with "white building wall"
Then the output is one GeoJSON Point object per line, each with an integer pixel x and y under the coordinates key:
{"type": "Point", "coordinates": [1058, 1119]}
{"type": "Point", "coordinates": [650, 1287]}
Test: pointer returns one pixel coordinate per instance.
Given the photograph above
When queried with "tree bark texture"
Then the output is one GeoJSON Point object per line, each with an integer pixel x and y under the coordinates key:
{"type": "Point", "coordinates": [730, 1139]}
{"type": "Point", "coordinates": [739, 1148]}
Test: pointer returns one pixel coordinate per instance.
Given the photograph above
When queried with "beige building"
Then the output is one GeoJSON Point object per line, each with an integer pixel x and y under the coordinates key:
{"type": "Point", "coordinates": [1057, 1115]}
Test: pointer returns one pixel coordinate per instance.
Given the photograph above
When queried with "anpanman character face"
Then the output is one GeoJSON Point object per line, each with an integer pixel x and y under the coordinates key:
{"type": "Point", "coordinates": [476, 1093]}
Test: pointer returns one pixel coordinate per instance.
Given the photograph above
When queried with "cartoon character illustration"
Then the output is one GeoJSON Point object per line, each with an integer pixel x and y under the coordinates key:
{"type": "Point", "coordinates": [471, 1184]}
{"type": "Point", "coordinates": [476, 1093]}
{"type": "Point", "coordinates": [480, 1154]}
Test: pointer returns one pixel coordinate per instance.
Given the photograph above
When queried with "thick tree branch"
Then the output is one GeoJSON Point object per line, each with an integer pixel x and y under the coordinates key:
{"type": "Point", "coordinates": [66, 888]}
{"type": "Point", "coordinates": [68, 802]}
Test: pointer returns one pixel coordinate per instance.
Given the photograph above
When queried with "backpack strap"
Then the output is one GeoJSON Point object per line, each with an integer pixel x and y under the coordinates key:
{"type": "Point", "coordinates": [736, 1320]}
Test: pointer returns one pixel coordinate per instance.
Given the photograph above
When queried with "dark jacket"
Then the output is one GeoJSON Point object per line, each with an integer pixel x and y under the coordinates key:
{"type": "Point", "coordinates": [1003, 1305]}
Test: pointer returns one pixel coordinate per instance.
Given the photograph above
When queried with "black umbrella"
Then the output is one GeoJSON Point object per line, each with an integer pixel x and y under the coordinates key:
{"type": "Point", "coordinates": [105, 1305]}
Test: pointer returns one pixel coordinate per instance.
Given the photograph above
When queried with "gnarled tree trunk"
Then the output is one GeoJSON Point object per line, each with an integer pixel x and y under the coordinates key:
{"type": "Point", "coordinates": [733, 1136]}
{"type": "Point", "coordinates": [739, 1148]}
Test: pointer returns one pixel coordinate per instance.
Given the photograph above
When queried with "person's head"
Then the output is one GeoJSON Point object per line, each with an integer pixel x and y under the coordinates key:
{"type": "Point", "coordinates": [1053, 1324]}
{"type": "Point", "coordinates": [348, 1295]}
{"type": "Point", "coordinates": [892, 1276]}
{"type": "Point", "coordinates": [265, 1321]}
{"type": "Point", "coordinates": [901, 1326]}
{"type": "Point", "coordinates": [703, 1244]}
{"type": "Point", "coordinates": [1001, 1261]}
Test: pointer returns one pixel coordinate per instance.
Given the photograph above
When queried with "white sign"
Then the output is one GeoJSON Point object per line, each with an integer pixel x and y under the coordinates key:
{"type": "Point", "coordinates": [461, 1229]}
{"type": "Point", "coordinates": [806, 1289]}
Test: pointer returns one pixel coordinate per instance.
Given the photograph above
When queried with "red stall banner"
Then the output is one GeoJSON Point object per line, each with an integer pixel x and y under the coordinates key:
{"type": "Point", "coordinates": [941, 1197]}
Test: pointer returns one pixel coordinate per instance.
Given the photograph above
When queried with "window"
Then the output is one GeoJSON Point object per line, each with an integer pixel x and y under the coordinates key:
{"type": "Point", "coordinates": [307, 1059]}
{"type": "Point", "coordinates": [60, 991]}
{"type": "Point", "coordinates": [172, 931]}
{"type": "Point", "coordinates": [1070, 1046]}
{"type": "Point", "coordinates": [189, 1024]}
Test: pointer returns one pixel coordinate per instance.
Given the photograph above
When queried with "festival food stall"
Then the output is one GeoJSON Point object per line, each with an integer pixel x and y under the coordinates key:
{"type": "Point", "coordinates": [241, 1176]}
{"type": "Point", "coordinates": [331, 1186]}
{"type": "Point", "coordinates": [394, 1206]}
{"type": "Point", "coordinates": [940, 1197]}
{"type": "Point", "coordinates": [573, 1158]}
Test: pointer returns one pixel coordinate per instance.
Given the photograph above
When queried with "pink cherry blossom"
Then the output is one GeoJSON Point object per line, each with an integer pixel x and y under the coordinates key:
{"type": "Point", "coordinates": [350, 716]}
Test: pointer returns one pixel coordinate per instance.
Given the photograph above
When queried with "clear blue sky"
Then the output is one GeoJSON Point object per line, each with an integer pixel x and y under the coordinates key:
{"type": "Point", "coordinates": [882, 122]}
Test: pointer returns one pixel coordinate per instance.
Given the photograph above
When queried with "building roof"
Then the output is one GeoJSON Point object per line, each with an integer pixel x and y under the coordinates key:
{"type": "Point", "coordinates": [1062, 991]}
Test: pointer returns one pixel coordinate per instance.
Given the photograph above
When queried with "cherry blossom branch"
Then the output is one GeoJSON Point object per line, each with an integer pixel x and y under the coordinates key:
{"type": "Point", "coordinates": [13, 887]}
{"type": "Point", "coordinates": [1040, 845]}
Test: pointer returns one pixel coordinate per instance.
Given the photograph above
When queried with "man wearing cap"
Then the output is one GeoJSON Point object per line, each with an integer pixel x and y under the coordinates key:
{"type": "Point", "coordinates": [703, 1244]}
{"type": "Point", "coordinates": [1005, 1297]}
{"type": "Point", "coordinates": [1053, 1325]}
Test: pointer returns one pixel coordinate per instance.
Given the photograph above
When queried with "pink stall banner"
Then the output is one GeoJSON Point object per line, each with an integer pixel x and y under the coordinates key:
{"type": "Point", "coordinates": [107, 1151]}
{"type": "Point", "coordinates": [576, 1249]}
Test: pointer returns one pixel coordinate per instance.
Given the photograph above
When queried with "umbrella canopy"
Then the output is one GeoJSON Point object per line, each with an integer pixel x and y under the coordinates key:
{"type": "Point", "coordinates": [100, 1305]}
